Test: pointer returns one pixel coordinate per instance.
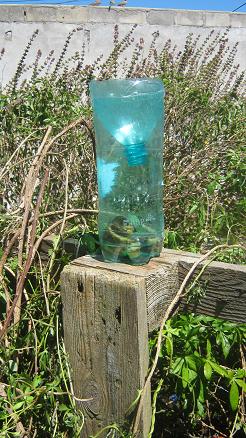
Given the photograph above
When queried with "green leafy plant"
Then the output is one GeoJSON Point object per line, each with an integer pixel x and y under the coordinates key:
{"type": "Point", "coordinates": [202, 368]}
{"type": "Point", "coordinates": [35, 390]}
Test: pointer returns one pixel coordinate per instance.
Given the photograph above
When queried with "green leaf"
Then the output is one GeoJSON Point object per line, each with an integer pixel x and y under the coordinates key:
{"type": "Point", "coordinates": [208, 349]}
{"type": "Point", "coordinates": [192, 375]}
{"type": "Point", "coordinates": [192, 362]}
{"type": "Point", "coordinates": [231, 374]}
{"type": "Point", "coordinates": [62, 407]}
{"type": "Point", "coordinates": [201, 392]}
{"type": "Point", "coordinates": [211, 187]}
{"type": "Point", "coordinates": [175, 331]}
{"type": "Point", "coordinates": [241, 383]}
{"type": "Point", "coordinates": [18, 405]}
{"type": "Point", "coordinates": [193, 208]}
{"type": "Point", "coordinates": [234, 396]}
{"type": "Point", "coordinates": [207, 370]}
{"type": "Point", "coordinates": [185, 376]}
{"type": "Point", "coordinates": [200, 408]}
{"type": "Point", "coordinates": [219, 369]}
{"type": "Point", "coordinates": [177, 365]}
{"type": "Point", "coordinates": [37, 381]}
{"type": "Point", "coordinates": [240, 374]}
{"type": "Point", "coordinates": [226, 346]}
{"type": "Point", "coordinates": [169, 345]}
{"type": "Point", "coordinates": [3, 415]}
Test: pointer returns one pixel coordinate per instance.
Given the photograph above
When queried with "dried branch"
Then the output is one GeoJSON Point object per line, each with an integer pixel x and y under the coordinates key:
{"type": "Point", "coordinates": [80, 121]}
{"type": "Point", "coordinates": [3, 260]}
{"type": "Point", "coordinates": [53, 256]}
{"type": "Point", "coordinates": [22, 277]}
{"type": "Point", "coordinates": [5, 168]}
{"type": "Point", "coordinates": [72, 210]}
{"type": "Point", "coordinates": [43, 285]}
{"type": "Point", "coordinates": [21, 280]}
{"type": "Point", "coordinates": [221, 434]}
{"type": "Point", "coordinates": [7, 251]}
{"type": "Point", "coordinates": [28, 190]}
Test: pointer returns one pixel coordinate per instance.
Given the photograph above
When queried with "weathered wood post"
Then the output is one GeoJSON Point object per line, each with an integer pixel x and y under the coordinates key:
{"type": "Point", "coordinates": [106, 336]}
{"type": "Point", "coordinates": [108, 310]}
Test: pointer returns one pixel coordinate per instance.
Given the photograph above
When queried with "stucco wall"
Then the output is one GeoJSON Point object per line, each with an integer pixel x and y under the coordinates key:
{"type": "Point", "coordinates": [18, 22]}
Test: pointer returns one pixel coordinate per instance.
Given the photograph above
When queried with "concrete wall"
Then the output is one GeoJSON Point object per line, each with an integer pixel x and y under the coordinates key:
{"type": "Point", "coordinates": [18, 22]}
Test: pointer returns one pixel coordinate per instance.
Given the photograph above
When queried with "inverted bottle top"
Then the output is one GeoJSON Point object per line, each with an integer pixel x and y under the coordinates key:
{"type": "Point", "coordinates": [129, 110]}
{"type": "Point", "coordinates": [125, 88]}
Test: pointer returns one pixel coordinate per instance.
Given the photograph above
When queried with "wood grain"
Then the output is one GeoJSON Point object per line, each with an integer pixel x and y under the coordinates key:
{"type": "Point", "coordinates": [225, 293]}
{"type": "Point", "coordinates": [224, 288]}
{"type": "Point", "coordinates": [106, 337]}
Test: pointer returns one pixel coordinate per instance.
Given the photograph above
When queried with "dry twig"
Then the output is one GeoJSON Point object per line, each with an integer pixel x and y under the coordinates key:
{"type": "Point", "coordinates": [21, 276]}
{"type": "Point", "coordinates": [72, 210]}
{"type": "Point", "coordinates": [56, 245]}
{"type": "Point", "coordinates": [5, 168]}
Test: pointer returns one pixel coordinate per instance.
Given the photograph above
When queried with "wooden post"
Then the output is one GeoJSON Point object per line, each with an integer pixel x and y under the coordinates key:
{"type": "Point", "coordinates": [108, 310]}
{"type": "Point", "coordinates": [106, 337]}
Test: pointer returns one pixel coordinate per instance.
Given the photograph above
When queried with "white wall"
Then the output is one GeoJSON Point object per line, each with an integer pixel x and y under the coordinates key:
{"type": "Point", "coordinates": [18, 22]}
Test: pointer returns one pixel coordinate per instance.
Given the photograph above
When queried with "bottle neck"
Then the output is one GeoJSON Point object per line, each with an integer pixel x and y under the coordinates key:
{"type": "Point", "coordinates": [136, 154]}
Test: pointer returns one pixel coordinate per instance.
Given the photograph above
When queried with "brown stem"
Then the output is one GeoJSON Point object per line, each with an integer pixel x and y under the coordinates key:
{"type": "Point", "coordinates": [7, 252]}
{"type": "Point", "coordinates": [22, 278]}
{"type": "Point", "coordinates": [2, 264]}
{"type": "Point", "coordinates": [56, 245]}
{"type": "Point", "coordinates": [73, 210]}
{"type": "Point", "coordinates": [17, 310]}
{"type": "Point", "coordinates": [28, 190]}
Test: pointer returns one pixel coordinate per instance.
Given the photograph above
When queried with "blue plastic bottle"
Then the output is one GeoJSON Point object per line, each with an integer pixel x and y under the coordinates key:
{"type": "Point", "coordinates": [128, 118]}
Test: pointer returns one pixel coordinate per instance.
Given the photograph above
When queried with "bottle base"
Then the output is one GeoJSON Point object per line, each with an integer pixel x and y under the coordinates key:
{"type": "Point", "coordinates": [115, 255]}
